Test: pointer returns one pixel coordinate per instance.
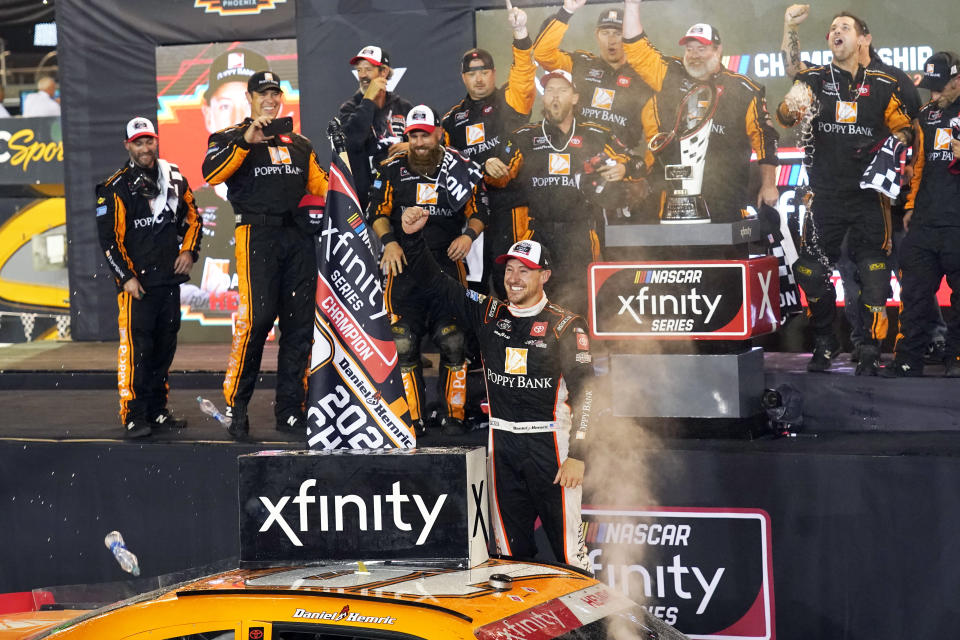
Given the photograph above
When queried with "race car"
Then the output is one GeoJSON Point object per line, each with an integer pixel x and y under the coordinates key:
{"type": "Point", "coordinates": [498, 599]}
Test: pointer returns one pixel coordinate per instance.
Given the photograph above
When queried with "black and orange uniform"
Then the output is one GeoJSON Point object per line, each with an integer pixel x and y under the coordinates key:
{"type": "Point", "coordinates": [453, 195]}
{"type": "Point", "coordinates": [141, 238]}
{"type": "Point", "coordinates": [611, 96]}
{"type": "Point", "coordinates": [549, 166]}
{"type": "Point", "coordinates": [931, 249]}
{"type": "Point", "coordinates": [276, 263]}
{"type": "Point", "coordinates": [539, 373]}
{"type": "Point", "coordinates": [740, 126]}
{"type": "Point", "coordinates": [371, 131]}
{"type": "Point", "coordinates": [475, 128]}
{"type": "Point", "coordinates": [855, 116]}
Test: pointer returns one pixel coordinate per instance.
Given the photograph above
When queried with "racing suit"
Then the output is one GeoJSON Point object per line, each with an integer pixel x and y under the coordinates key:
{"type": "Point", "coordinates": [931, 248]}
{"type": "Point", "coordinates": [475, 128]}
{"type": "Point", "coordinates": [370, 132]}
{"type": "Point", "coordinates": [454, 195]}
{"type": "Point", "coordinates": [276, 265]}
{"type": "Point", "coordinates": [613, 97]}
{"type": "Point", "coordinates": [557, 171]}
{"type": "Point", "coordinates": [141, 239]}
{"type": "Point", "coordinates": [855, 115]}
{"type": "Point", "coordinates": [539, 374]}
{"type": "Point", "coordinates": [740, 124]}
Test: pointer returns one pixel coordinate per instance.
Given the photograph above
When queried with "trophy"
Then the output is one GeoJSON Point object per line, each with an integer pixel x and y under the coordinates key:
{"type": "Point", "coordinates": [689, 139]}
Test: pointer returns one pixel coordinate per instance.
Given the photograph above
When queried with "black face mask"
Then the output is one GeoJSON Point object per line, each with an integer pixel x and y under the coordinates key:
{"type": "Point", "coordinates": [144, 184]}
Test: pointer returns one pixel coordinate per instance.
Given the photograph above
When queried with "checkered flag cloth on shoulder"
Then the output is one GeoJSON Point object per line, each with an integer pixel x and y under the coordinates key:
{"type": "Point", "coordinates": [886, 169]}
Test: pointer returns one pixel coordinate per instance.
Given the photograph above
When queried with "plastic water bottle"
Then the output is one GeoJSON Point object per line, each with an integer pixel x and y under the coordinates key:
{"type": "Point", "coordinates": [211, 410]}
{"type": "Point", "coordinates": [128, 561]}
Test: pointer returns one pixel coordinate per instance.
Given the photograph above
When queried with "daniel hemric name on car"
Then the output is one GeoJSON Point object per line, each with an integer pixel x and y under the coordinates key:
{"type": "Point", "coordinates": [303, 499]}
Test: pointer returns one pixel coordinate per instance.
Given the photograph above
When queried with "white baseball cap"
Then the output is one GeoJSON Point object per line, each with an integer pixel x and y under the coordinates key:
{"type": "Point", "coordinates": [557, 73]}
{"type": "Point", "coordinates": [139, 127]}
{"type": "Point", "coordinates": [702, 33]}
{"type": "Point", "coordinates": [421, 117]}
{"type": "Point", "coordinates": [374, 55]}
{"type": "Point", "coordinates": [530, 252]}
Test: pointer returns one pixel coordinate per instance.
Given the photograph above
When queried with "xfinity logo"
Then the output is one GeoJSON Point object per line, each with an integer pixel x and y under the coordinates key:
{"type": "Point", "coordinates": [668, 304]}
{"type": "Point", "coordinates": [360, 509]}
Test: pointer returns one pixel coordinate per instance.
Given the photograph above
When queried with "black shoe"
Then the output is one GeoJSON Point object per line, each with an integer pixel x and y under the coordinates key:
{"type": "Point", "coordinates": [952, 368]}
{"type": "Point", "coordinates": [239, 428]}
{"type": "Point", "coordinates": [898, 369]}
{"type": "Point", "coordinates": [294, 425]}
{"type": "Point", "coordinates": [419, 427]}
{"type": "Point", "coordinates": [936, 353]}
{"type": "Point", "coordinates": [869, 364]}
{"type": "Point", "coordinates": [137, 428]}
{"type": "Point", "coordinates": [824, 351]}
{"type": "Point", "coordinates": [452, 426]}
{"type": "Point", "coordinates": [855, 353]}
{"type": "Point", "coordinates": [166, 420]}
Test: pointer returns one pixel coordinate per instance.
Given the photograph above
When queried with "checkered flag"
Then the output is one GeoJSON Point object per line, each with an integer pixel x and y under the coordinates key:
{"type": "Point", "coordinates": [886, 169]}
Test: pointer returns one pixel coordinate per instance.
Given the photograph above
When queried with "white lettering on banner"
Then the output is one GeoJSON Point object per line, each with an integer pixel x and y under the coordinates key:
{"type": "Point", "coordinates": [659, 581]}
{"type": "Point", "coordinates": [303, 500]}
{"type": "Point", "coordinates": [353, 267]}
{"type": "Point", "coordinates": [765, 290]}
{"type": "Point", "coordinates": [678, 305]}
{"type": "Point", "coordinates": [769, 64]}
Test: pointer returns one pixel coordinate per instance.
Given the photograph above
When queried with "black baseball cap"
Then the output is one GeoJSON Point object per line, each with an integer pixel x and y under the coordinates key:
{"type": "Point", "coordinates": [263, 80]}
{"type": "Point", "coordinates": [530, 252]}
{"type": "Point", "coordinates": [235, 65]}
{"type": "Point", "coordinates": [476, 54]}
{"type": "Point", "coordinates": [939, 69]}
{"type": "Point", "coordinates": [610, 18]}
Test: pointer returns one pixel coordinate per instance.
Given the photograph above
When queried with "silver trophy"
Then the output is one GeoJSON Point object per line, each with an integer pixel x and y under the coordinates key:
{"type": "Point", "coordinates": [684, 203]}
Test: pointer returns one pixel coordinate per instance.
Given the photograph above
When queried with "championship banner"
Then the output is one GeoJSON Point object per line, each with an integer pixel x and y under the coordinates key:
{"type": "Point", "coordinates": [702, 300]}
{"type": "Point", "coordinates": [355, 396]}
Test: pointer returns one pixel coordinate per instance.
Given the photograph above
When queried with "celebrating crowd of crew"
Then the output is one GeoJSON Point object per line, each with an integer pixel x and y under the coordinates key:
{"type": "Point", "coordinates": [540, 193]}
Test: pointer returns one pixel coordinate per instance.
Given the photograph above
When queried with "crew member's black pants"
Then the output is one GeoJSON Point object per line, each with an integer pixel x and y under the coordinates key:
{"type": "Point", "coordinates": [148, 340]}
{"type": "Point", "coordinates": [928, 254]}
{"type": "Point", "coordinates": [858, 216]}
{"type": "Point", "coordinates": [277, 271]}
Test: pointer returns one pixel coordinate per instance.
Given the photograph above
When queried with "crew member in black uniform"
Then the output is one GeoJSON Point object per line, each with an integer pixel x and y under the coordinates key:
{"type": "Point", "coordinates": [740, 121]}
{"type": "Point", "coordinates": [564, 167]}
{"type": "Point", "coordinates": [373, 119]}
{"type": "Point", "coordinates": [479, 123]}
{"type": "Point", "coordinates": [267, 175]}
{"type": "Point", "coordinates": [612, 93]}
{"type": "Point", "coordinates": [856, 109]}
{"type": "Point", "coordinates": [451, 189]}
{"type": "Point", "coordinates": [931, 249]}
{"type": "Point", "coordinates": [539, 373]}
{"type": "Point", "coordinates": [150, 232]}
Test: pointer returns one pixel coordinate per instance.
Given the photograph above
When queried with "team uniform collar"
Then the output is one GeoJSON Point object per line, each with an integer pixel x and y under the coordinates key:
{"type": "Point", "coordinates": [528, 312]}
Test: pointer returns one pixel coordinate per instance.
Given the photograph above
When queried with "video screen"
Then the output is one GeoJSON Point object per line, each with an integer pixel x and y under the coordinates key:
{"type": "Point", "coordinates": [201, 88]}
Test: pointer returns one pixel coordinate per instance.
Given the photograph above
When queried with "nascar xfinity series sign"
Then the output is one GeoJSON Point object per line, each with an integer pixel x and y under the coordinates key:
{"type": "Point", "coordinates": [304, 506]}
{"type": "Point", "coordinates": [716, 300]}
{"type": "Point", "coordinates": [708, 572]}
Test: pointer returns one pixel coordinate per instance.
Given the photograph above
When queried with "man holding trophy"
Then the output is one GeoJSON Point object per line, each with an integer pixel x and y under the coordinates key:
{"type": "Point", "coordinates": [701, 125]}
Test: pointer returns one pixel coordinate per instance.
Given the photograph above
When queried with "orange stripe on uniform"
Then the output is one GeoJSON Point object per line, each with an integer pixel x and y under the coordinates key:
{"type": "Point", "coordinates": [125, 353]}
{"type": "Point", "coordinates": [241, 337]}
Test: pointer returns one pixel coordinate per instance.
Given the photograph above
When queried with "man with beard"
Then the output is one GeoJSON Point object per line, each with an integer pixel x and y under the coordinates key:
{"type": "Point", "coordinates": [539, 373]}
{"type": "Point", "coordinates": [477, 125]}
{"type": "Point", "coordinates": [931, 249]}
{"type": "Point", "coordinates": [740, 122]}
{"type": "Point", "coordinates": [616, 93]}
{"type": "Point", "coordinates": [851, 110]}
{"type": "Point", "coordinates": [267, 174]}
{"type": "Point", "coordinates": [564, 167]}
{"type": "Point", "coordinates": [373, 119]}
{"type": "Point", "coordinates": [451, 189]}
{"type": "Point", "coordinates": [150, 233]}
